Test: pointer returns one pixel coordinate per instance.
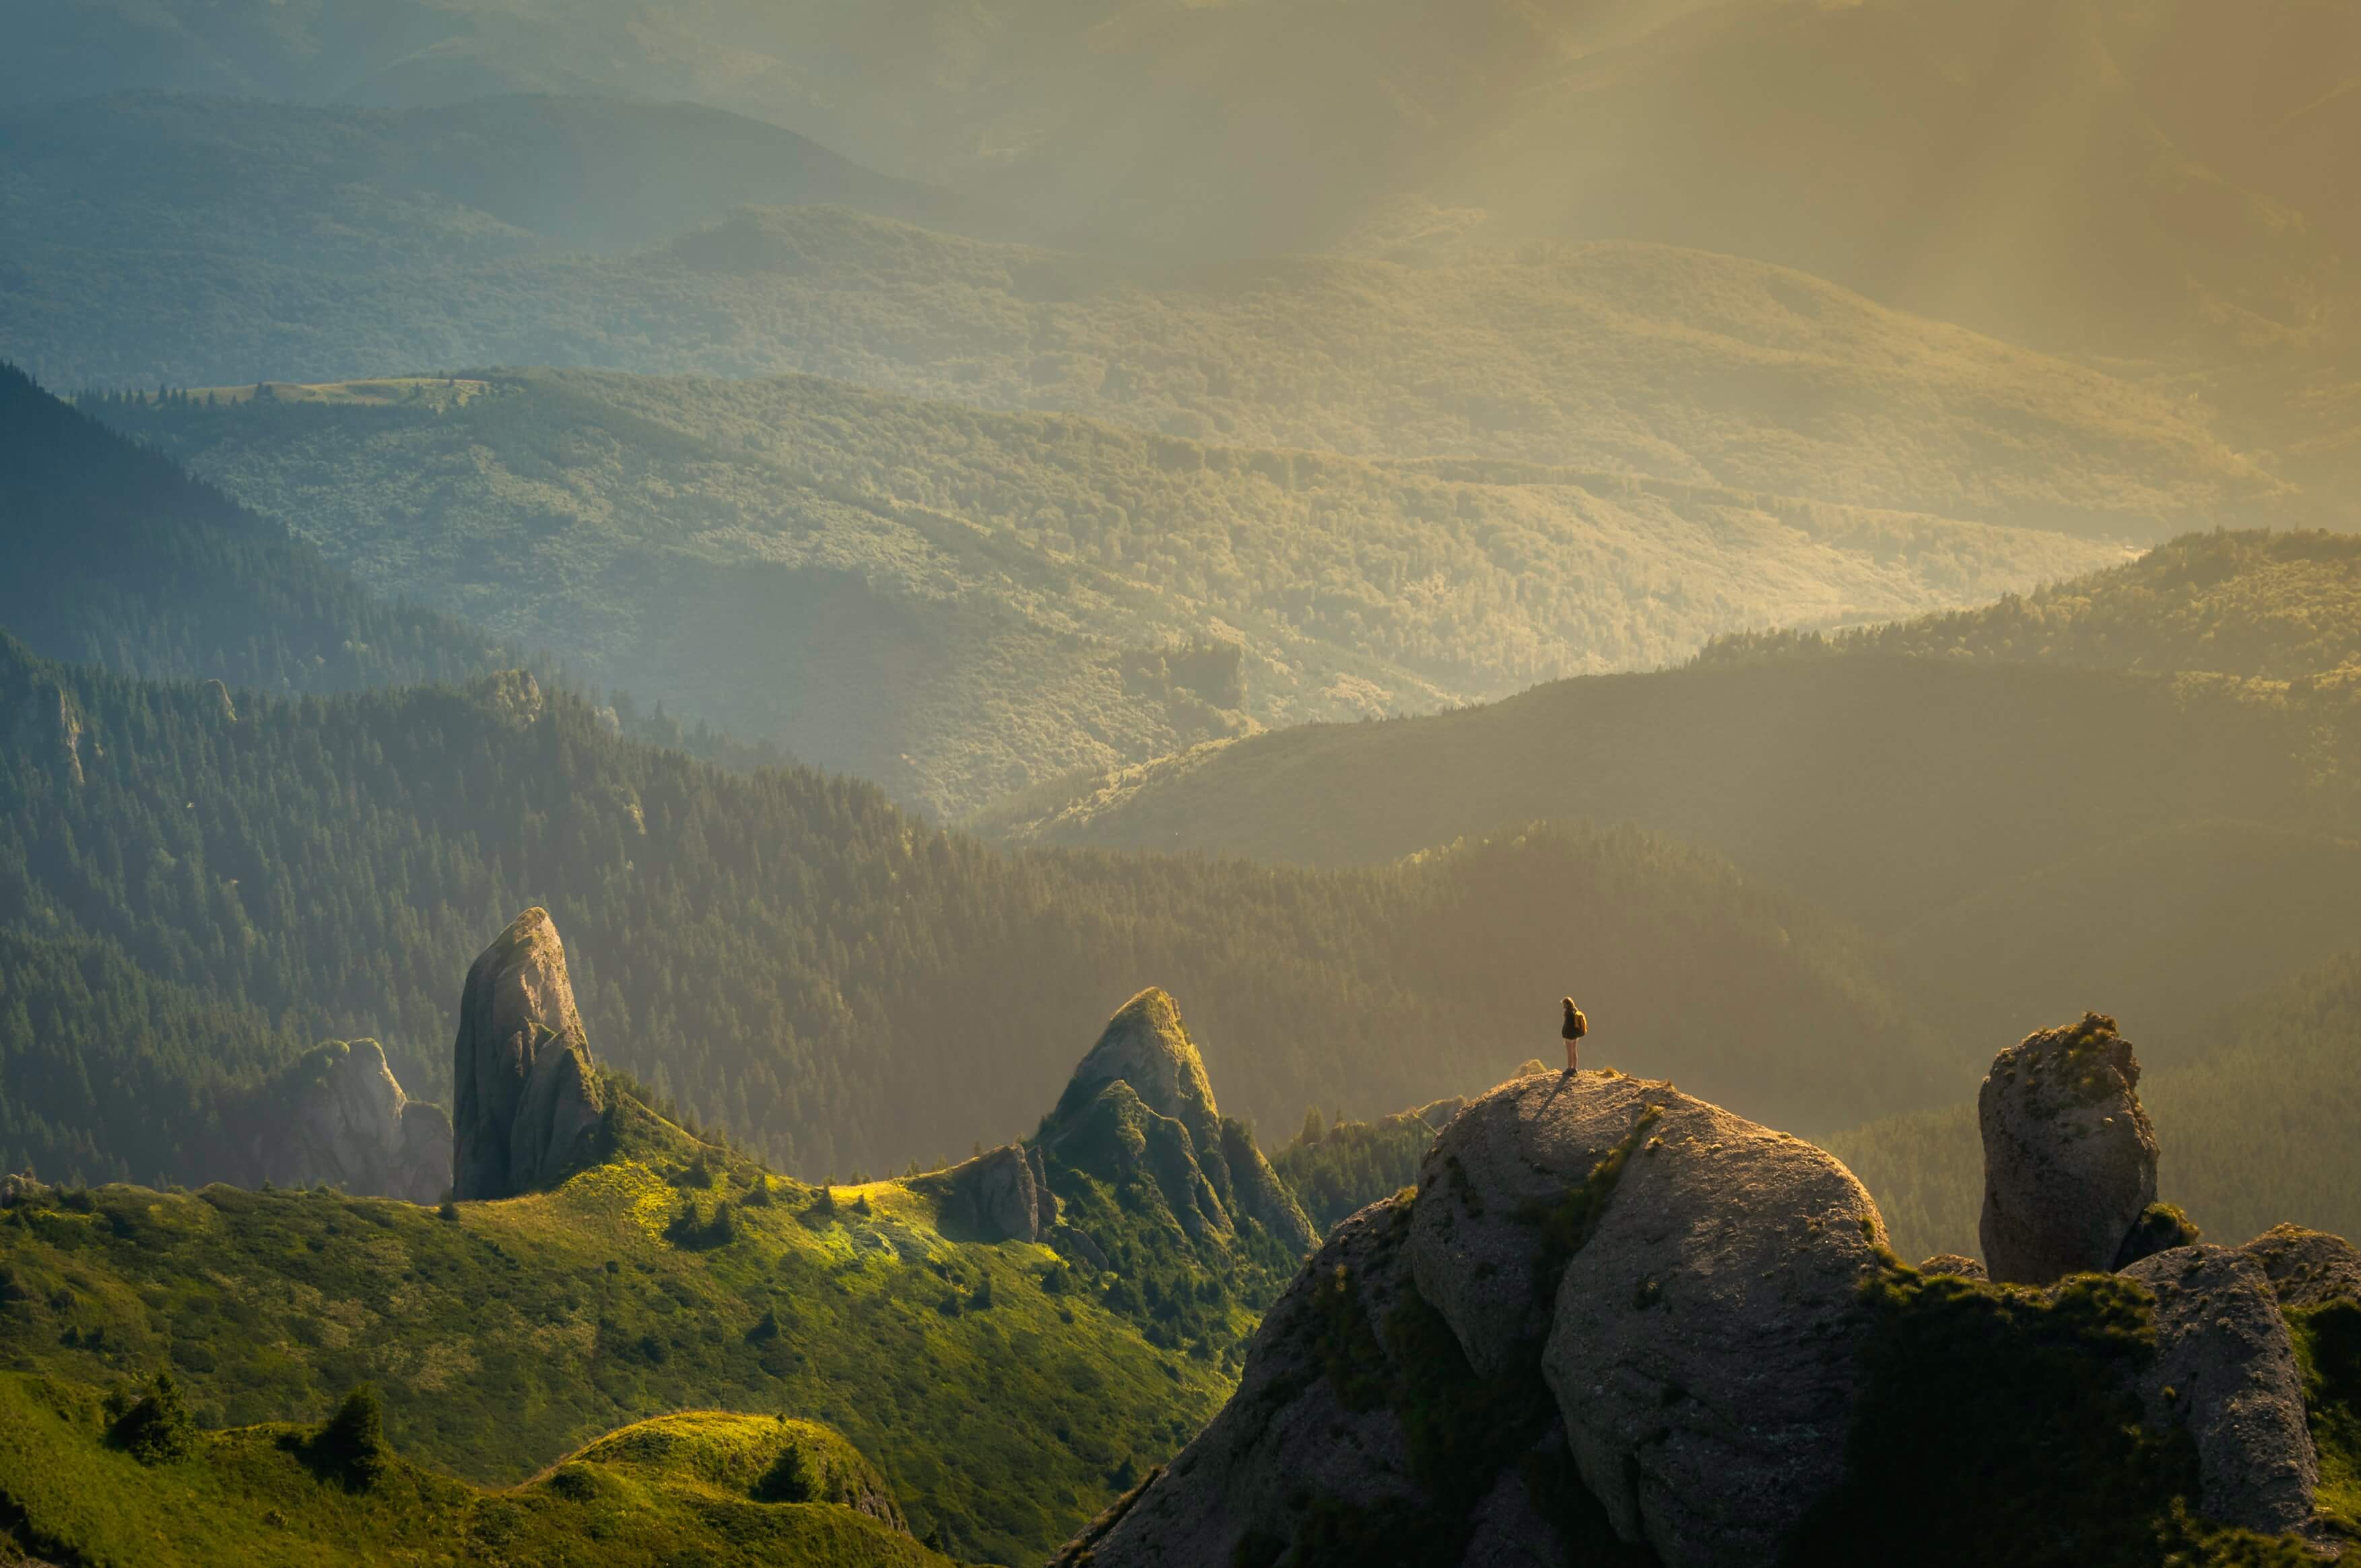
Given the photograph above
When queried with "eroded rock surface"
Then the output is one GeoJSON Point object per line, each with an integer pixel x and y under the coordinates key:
{"type": "Point", "coordinates": [2225, 1370]}
{"type": "Point", "coordinates": [1475, 1243]}
{"type": "Point", "coordinates": [2306, 1268]}
{"type": "Point", "coordinates": [338, 1115]}
{"type": "Point", "coordinates": [1705, 1342]}
{"type": "Point", "coordinates": [1954, 1264]}
{"type": "Point", "coordinates": [996, 1197]}
{"type": "Point", "coordinates": [2069, 1159]}
{"type": "Point", "coordinates": [526, 1105]}
{"type": "Point", "coordinates": [1290, 1435]}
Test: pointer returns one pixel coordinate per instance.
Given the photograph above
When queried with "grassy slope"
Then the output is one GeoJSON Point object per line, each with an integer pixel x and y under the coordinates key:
{"type": "Point", "coordinates": [507, 1338]}
{"type": "Point", "coordinates": [782, 554]}
{"type": "Point", "coordinates": [644, 1495]}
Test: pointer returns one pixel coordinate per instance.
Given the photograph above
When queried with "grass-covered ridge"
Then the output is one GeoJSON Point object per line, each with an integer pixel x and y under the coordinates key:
{"type": "Point", "coordinates": [1003, 1402]}
{"type": "Point", "coordinates": [958, 603]}
{"type": "Point", "coordinates": [715, 1486]}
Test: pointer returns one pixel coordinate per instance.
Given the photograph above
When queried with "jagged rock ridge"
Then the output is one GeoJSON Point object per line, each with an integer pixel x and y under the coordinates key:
{"type": "Point", "coordinates": [526, 1102]}
{"type": "Point", "coordinates": [1142, 1089]}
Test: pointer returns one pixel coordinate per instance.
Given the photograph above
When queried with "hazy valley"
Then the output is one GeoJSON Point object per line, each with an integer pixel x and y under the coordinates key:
{"type": "Point", "coordinates": [1715, 648]}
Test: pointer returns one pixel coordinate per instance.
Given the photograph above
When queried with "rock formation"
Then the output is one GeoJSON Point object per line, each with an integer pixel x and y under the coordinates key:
{"type": "Point", "coordinates": [217, 701]}
{"type": "Point", "coordinates": [526, 1102]}
{"type": "Point", "coordinates": [1654, 1296]}
{"type": "Point", "coordinates": [1141, 1100]}
{"type": "Point", "coordinates": [2306, 1268]}
{"type": "Point", "coordinates": [1955, 1265]}
{"type": "Point", "coordinates": [2225, 1372]}
{"type": "Point", "coordinates": [2069, 1159]}
{"type": "Point", "coordinates": [999, 1196]}
{"type": "Point", "coordinates": [1703, 1351]}
{"type": "Point", "coordinates": [1291, 1434]}
{"type": "Point", "coordinates": [338, 1116]}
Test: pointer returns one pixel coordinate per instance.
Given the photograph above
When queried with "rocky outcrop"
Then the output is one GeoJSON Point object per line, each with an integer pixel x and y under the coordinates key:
{"type": "Point", "coordinates": [1955, 1265]}
{"type": "Point", "coordinates": [526, 1102]}
{"type": "Point", "coordinates": [1660, 1295]}
{"type": "Point", "coordinates": [1141, 1097]}
{"type": "Point", "coordinates": [338, 1116]}
{"type": "Point", "coordinates": [1296, 1432]}
{"type": "Point", "coordinates": [1706, 1331]}
{"type": "Point", "coordinates": [2069, 1159]}
{"type": "Point", "coordinates": [997, 1197]}
{"type": "Point", "coordinates": [2307, 1268]}
{"type": "Point", "coordinates": [219, 703]}
{"type": "Point", "coordinates": [47, 725]}
{"type": "Point", "coordinates": [1482, 1188]}
{"type": "Point", "coordinates": [2225, 1372]}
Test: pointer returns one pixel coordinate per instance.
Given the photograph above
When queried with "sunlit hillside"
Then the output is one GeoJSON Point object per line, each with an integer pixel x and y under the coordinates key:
{"type": "Point", "coordinates": [960, 604]}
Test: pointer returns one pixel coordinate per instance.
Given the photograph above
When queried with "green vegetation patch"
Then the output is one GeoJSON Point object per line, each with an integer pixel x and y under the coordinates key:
{"type": "Point", "coordinates": [1000, 1413]}
{"type": "Point", "coordinates": [1996, 1421]}
{"type": "Point", "coordinates": [2328, 1349]}
{"type": "Point", "coordinates": [255, 1495]}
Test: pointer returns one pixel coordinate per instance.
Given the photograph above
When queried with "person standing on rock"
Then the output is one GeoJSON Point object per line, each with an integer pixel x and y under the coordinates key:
{"type": "Point", "coordinates": [1572, 1031]}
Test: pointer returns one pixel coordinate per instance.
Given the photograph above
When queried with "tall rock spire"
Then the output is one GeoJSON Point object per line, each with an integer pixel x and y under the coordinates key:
{"type": "Point", "coordinates": [526, 1103]}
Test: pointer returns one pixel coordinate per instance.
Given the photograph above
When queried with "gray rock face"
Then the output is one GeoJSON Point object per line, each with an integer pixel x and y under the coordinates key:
{"type": "Point", "coordinates": [1286, 1436]}
{"type": "Point", "coordinates": [338, 1117]}
{"type": "Point", "coordinates": [1954, 1264]}
{"type": "Point", "coordinates": [1697, 1343]}
{"type": "Point", "coordinates": [2225, 1370]}
{"type": "Point", "coordinates": [2306, 1268]}
{"type": "Point", "coordinates": [1473, 1247]}
{"type": "Point", "coordinates": [996, 1197]}
{"type": "Point", "coordinates": [1509, 1531]}
{"type": "Point", "coordinates": [2069, 1159]}
{"type": "Point", "coordinates": [527, 1105]}
{"type": "Point", "coordinates": [1703, 1351]}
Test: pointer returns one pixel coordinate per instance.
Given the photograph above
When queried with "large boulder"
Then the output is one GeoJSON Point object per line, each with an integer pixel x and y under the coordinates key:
{"type": "Point", "coordinates": [1705, 1342]}
{"type": "Point", "coordinates": [1485, 1189]}
{"type": "Point", "coordinates": [2307, 1268]}
{"type": "Point", "coordinates": [338, 1115]}
{"type": "Point", "coordinates": [1299, 1433]}
{"type": "Point", "coordinates": [2225, 1372]}
{"type": "Point", "coordinates": [1686, 1352]}
{"type": "Point", "coordinates": [526, 1103]}
{"type": "Point", "coordinates": [2069, 1159]}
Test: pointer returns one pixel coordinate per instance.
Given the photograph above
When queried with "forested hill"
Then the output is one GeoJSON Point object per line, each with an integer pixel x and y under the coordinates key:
{"type": "Point", "coordinates": [2283, 605]}
{"type": "Point", "coordinates": [115, 556]}
{"type": "Point", "coordinates": [790, 956]}
{"type": "Point", "coordinates": [957, 603]}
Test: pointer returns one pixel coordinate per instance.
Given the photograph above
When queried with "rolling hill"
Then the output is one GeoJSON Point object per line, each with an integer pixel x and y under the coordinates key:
{"type": "Point", "coordinates": [621, 240]}
{"type": "Point", "coordinates": [1004, 1392]}
{"type": "Point", "coordinates": [957, 604]}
